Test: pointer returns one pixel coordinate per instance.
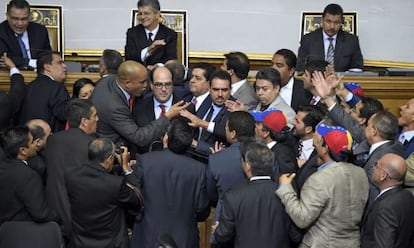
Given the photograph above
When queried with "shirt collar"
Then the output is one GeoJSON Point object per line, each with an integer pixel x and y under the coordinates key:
{"type": "Point", "coordinates": [385, 190]}
{"type": "Point", "coordinates": [325, 36]}
{"type": "Point", "coordinates": [408, 135]}
{"type": "Point", "coordinates": [236, 86]}
{"type": "Point", "coordinates": [324, 165]}
{"type": "Point", "coordinates": [126, 94]}
{"type": "Point", "coordinates": [271, 144]}
{"type": "Point", "coordinates": [167, 104]}
{"type": "Point", "coordinates": [259, 178]}
{"type": "Point", "coordinates": [289, 84]}
{"type": "Point", "coordinates": [154, 32]}
{"type": "Point", "coordinates": [376, 145]}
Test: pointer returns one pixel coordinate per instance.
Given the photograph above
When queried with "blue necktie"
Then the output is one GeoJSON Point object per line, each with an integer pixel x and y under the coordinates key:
{"type": "Point", "coordinates": [22, 46]}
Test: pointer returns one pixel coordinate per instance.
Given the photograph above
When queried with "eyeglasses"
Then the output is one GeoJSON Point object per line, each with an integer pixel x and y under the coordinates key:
{"type": "Point", "coordinates": [161, 85]}
{"type": "Point", "coordinates": [379, 167]}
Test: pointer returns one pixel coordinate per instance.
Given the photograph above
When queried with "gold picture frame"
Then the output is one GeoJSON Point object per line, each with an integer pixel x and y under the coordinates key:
{"type": "Point", "coordinates": [177, 21]}
{"type": "Point", "coordinates": [51, 17]}
{"type": "Point", "coordinates": [313, 20]}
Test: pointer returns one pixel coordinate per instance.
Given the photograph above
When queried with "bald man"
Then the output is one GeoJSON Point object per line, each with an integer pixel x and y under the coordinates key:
{"type": "Point", "coordinates": [389, 221]}
{"type": "Point", "coordinates": [114, 101]}
{"type": "Point", "coordinates": [40, 130]}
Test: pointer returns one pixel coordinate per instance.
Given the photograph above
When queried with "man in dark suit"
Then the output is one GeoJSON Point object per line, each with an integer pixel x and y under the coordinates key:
{"type": "Point", "coordinates": [388, 221]}
{"type": "Point", "coordinates": [114, 101]}
{"type": "Point", "coordinates": [99, 200]}
{"type": "Point", "coordinates": [21, 189]}
{"type": "Point", "coordinates": [307, 118]}
{"type": "Point", "coordinates": [406, 123]}
{"type": "Point", "coordinates": [177, 199]}
{"type": "Point", "coordinates": [65, 149]}
{"type": "Point", "coordinates": [150, 42]}
{"type": "Point", "coordinates": [21, 39]}
{"type": "Point", "coordinates": [211, 125]}
{"type": "Point", "coordinates": [152, 108]}
{"type": "Point", "coordinates": [271, 126]}
{"type": "Point", "coordinates": [292, 90]}
{"type": "Point", "coordinates": [46, 96]}
{"type": "Point", "coordinates": [238, 66]}
{"type": "Point", "coordinates": [331, 43]}
{"type": "Point", "coordinates": [224, 168]}
{"type": "Point", "coordinates": [10, 102]}
{"type": "Point", "coordinates": [250, 213]}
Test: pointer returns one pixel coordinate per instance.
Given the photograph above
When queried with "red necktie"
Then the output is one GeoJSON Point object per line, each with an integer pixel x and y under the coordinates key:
{"type": "Point", "coordinates": [131, 103]}
{"type": "Point", "coordinates": [162, 106]}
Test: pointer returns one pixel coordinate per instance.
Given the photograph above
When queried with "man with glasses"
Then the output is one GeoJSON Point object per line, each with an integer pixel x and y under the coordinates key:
{"type": "Point", "coordinates": [21, 39]}
{"type": "Point", "coordinates": [331, 43]}
{"type": "Point", "coordinates": [154, 107]}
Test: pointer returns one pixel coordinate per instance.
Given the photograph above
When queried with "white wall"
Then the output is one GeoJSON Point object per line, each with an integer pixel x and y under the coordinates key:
{"type": "Point", "coordinates": [386, 28]}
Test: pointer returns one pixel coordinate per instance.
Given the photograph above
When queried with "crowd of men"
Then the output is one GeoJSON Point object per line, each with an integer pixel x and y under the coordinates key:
{"type": "Point", "coordinates": [284, 163]}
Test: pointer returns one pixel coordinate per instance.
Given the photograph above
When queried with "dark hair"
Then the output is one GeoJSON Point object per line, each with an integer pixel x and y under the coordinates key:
{"type": "Point", "coordinates": [77, 109]}
{"type": "Point", "coordinates": [333, 9]}
{"type": "Point", "coordinates": [386, 124]}
{"type": "Point", "coordinates": [270, 74]}
{"type": "Point", "coordinates": [78, 85]}
{"type": "Point", "coordinates": [178, 71]}
{"type": "Point", "coordinates": [13, 139]}
{"type": "Point", "coordinates": [208, 69]}
{"type": "Point", "coordinates": [219, 74]}
{"type": "Point", "coordinates": [277, 136]}
{"type": "Point", "coordinates": [180, 135]}
{"type": "Point", "coordinates": [153, 3]}
{"type": "Point", "coordinates": [239, 63]}
{"type": "Point", "coordinates": [313, 116]}
{"type": "Point", "coordinates": [100, 149]}
{"type": "Point", "coordinates": [244, 144]}
{"type": "Point", "coordinates": [18, 4]}
{"type": "Point", "coordinates": [243, 123]}
{"type": "Point", "coordinates": [369, 107]}
{"type": "Point", "coordinates": [289, 57]}
{"type": "Point", "coordinates": [45, 58]}
{"type": "Point", "coordinates": [316, 65]}
{"type": "Point", "coordinates": [260, 159]}
{"type": "Point", "coordinates": [111, 59]}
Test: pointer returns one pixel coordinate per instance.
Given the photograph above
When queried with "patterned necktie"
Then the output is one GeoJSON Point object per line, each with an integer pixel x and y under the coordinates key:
{"type": "Point", "coordinates": [300, 149]}
{"type": "Point", "coordinates": [313, 101]}
{"type": "Point", "coordinates": [162, 106]}
{"type": "Point", "coordinates": [22, 46]}
{"type": "Point", "coordinates": [331, 51]}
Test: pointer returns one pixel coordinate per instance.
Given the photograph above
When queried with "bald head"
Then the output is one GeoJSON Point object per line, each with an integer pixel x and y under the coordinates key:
{"type": "Point", "coordinates": [394, 169]}
{"type": "Point", "coordinates": [40, 130]}
{"type": "Point", "coordinates": [132, 77]}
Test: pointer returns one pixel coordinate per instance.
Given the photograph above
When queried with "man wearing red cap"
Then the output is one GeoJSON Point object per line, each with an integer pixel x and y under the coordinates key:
{"type": "Point", "coordinates": [333, 199]}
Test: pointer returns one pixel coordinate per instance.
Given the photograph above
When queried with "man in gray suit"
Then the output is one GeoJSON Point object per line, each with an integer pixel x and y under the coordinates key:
{"type": "Point", "coordinates": [237, 65]}
{"type": "Point", "coordinates": [332, 200]}
{"type": "Point", "coordinates": [331, 43]}
{"type": "Point", "coordinates": [114, 102]}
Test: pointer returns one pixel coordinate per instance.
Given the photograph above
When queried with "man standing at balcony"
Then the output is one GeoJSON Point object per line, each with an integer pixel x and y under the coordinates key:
{"type": "Point", "coordinates": [150, 42]}
{"type": "Point", "coordinates": [331, 43]}
{"type": "Point", "coordinates": [21, 39]}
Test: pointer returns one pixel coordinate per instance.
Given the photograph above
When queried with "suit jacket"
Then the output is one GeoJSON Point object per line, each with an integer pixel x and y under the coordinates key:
{"type": "Point", "coordinates": [45, 99]}
{"type": "Point", "coordinates": [254, 216]}
{"type": "Point", "coordinates": [137, 40]}
{"type": "Point", "coordinates": [331, 203]}
{"type": "Point", "coordinates": [389, 221]}
{"type": "Point", "coordinates": [409, 177]}
{"type": "Point", "coordinates": [246, 95]}
{"type": "Point", "coordinates": [300, 96]}
{"type": "Point", "coordinates": [11, 102]}
{"type": "Point", "coordinates": [285, 158]}
{"type": "Point", "coordinates": [223, 171]}
{"type": "Point", "coordinates": [281, 105]}
{"type": "Point", "coordinates": [219, 133]}
{"type": "Point", "coordinates": [389, 147]}
{"type": "Point", "coordinates": [340, 117]}
{"type": "Point", "coordinates": [38, 40]}
{"type": "Point", "coordinates": [408, 146]}
{"type": "Point", "coordinates": [98, 203]}
{"type": "Point", "coordinates": [116, 121]}
{"type": "Point", "coordinates": [174, 202]}
{"type": "Point", "coordinates": [143, 114]}
{"type": "Point", "coordinates": [22, 194]}
{"type": "Point", "coordinates": [347, 51]}
{"type": "Point", "coordinates": [308, 168]}
{"type": "Point", "coordinates": [64, 149]}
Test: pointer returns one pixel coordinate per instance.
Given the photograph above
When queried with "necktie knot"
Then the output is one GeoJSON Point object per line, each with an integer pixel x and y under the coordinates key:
{"type": "Point", "coordinates": [162, 107]}
{"type": "Point", "coordinates": [194, 101]}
